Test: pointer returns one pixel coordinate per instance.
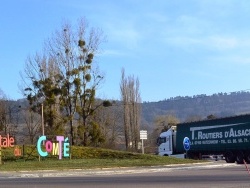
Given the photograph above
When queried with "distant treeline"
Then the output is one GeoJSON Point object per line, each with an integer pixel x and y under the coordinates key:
{"type": "Point", "coordinates": [186, 108]}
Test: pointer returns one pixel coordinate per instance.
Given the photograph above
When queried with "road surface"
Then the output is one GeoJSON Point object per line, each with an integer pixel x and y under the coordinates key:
{"type": "Point", "coordinates": [212, 175]}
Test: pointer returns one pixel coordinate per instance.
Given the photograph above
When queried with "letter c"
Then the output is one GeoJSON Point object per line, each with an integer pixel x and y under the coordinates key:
{"type": "Point", "coordinates": [39, 149]}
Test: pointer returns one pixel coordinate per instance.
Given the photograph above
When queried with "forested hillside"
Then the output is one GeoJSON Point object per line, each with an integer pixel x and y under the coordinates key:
{"type": "Point", "coordinates": [183, 108]}
{"type": "Point", "coordinates": [198, 107]}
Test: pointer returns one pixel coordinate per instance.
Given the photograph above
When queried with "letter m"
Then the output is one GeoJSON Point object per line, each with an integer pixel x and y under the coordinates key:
{"type": "Point", "coordinates": [55, 149]}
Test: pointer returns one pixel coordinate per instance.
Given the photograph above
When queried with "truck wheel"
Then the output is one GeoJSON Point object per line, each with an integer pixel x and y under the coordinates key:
{"type": "Point", "coordinates": [240, 157]}
{"type": "Point", "coordinates": [193, 155]}
{"type": "Point", "coordinates": [229, 157]}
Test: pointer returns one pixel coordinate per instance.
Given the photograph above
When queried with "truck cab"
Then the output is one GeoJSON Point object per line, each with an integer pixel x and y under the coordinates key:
{"type": "Point", "coordinates": [166, 142]}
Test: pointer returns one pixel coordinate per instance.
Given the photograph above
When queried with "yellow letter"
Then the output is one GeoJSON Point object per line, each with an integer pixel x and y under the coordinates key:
{"type": "Point", "coordinates": [55, 149]}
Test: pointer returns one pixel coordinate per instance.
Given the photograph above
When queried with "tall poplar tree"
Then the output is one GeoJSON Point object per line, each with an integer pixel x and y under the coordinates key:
{"type": "Point", "coordinates": [131, 100]}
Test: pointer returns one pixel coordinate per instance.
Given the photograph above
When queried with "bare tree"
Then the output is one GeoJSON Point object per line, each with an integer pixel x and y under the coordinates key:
{"type": "Point", "coordinates": [3, 117]}
{"type": "Point", "coordinates": [131, 99]}
{"type": "Point", "coordinates": [66, 78]}
{"type": "Point", "coordinates": [41, 83]}
{"type": "Point", "coordinates": [32, 125]}
{"type": "Point", "coordinates": [164, 122]}
{"type": "Point", "coordinates": [9, 118]}
{"type": "Point", "coordinates": [124, 95]}
{"type": "Point", "coordinates": [109, 120]}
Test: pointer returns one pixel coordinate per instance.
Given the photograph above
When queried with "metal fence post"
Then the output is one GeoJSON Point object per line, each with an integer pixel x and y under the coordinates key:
{"type": "Point", "coordinates": [0, 155]}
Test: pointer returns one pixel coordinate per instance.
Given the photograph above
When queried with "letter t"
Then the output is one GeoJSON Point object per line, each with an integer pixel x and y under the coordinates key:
{"type": "Point", "coordinates": [60, 140]}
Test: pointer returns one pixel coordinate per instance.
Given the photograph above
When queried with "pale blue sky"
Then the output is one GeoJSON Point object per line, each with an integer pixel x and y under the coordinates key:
{"type": "Point", "coordinates": [175, 48]}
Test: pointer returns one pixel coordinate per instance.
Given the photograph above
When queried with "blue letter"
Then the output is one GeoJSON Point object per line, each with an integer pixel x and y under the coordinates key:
{"type": "Point", "coordinates": [39, 149]}
{"type": "Point", "coordinates": [66, 148]}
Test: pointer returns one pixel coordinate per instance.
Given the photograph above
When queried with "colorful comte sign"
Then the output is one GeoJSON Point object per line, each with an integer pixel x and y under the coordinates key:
{"type": "Point", "coordinates": [60, 148]}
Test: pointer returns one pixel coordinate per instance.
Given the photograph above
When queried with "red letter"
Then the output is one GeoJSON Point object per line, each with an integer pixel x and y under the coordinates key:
{"type": "Point", "coordinates": [48, 146]}
{"type": "Point", "coordinates": [11, 142]}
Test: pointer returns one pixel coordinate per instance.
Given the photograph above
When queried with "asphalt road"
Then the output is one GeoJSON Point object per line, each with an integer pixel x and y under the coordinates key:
{"type": "Point", "coordinates": [213, 175]}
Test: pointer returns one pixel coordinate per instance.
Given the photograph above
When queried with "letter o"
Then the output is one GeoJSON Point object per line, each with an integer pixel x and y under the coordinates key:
{"type": "Point", "coordinates": [48, 146]}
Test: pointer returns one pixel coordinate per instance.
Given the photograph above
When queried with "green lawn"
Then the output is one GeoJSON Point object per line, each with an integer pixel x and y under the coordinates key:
{"type": "Point", "coordinates": [82, 158]}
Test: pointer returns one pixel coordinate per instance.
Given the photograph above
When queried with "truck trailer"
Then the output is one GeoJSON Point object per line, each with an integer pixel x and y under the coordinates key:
{"type": "Point", "coordinates": [228, 137]}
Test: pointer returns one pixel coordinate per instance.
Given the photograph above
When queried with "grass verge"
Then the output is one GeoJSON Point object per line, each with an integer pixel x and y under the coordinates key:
{"type": "Point", "coordinates": [85, 158]}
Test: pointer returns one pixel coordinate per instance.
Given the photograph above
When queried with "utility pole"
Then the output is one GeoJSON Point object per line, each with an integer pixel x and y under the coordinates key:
{"type": "Point", "coordinates": [42, 121]}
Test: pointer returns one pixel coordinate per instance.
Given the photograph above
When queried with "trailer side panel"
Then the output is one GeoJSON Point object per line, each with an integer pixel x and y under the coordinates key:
{"type": "Point", "coordinates": [215, 136]}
